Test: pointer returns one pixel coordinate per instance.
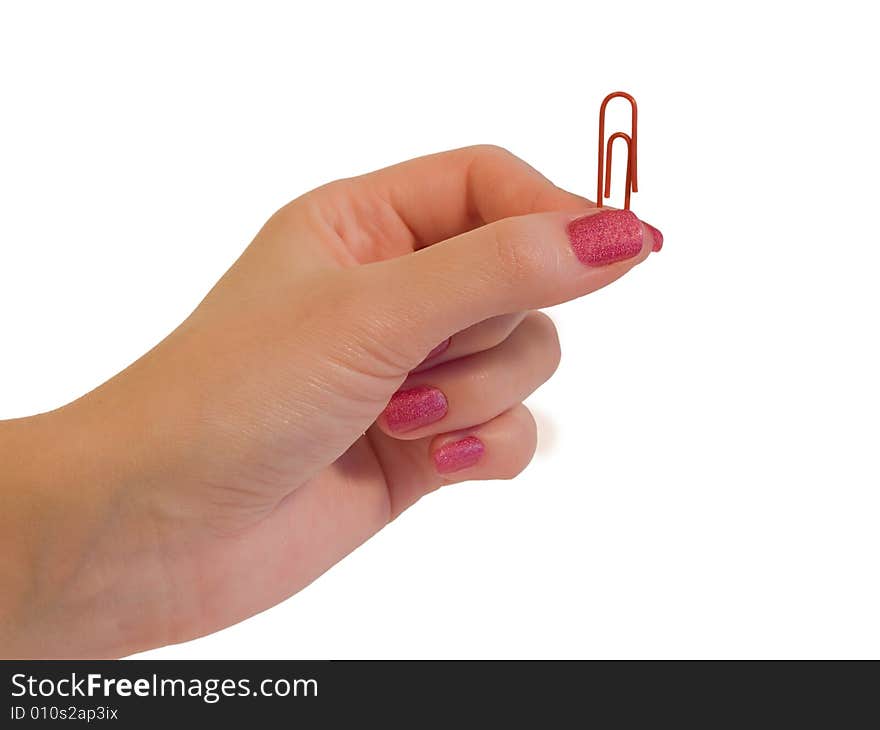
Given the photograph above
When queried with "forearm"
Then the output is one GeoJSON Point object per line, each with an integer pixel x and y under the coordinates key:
{"type": "Point", "coordinates": [68, 528]}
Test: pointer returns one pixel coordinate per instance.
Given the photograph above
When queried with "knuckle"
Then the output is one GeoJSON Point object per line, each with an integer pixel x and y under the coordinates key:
{"type": "Point", "coordinates": [517, 466]}
{"type": "Point", "coordinates": [324, 202]}
{"type": "Point", "coordinates": [287, 215]}
{"type": "Point", "coordinates": [486, 158]}
{"type": "Point", "coordinates": [519, 255]}
{"type": "Point", "coordinates": [527, 445]}
{"type": "Point", "coordinates": [333, 189]}
{"type": "Point", "coordinates": [549, 337]}
{"type": "Point", "coordinates": [491, 151]}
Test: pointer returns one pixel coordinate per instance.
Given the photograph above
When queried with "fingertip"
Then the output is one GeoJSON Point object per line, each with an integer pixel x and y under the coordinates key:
{"type": "Point", "coordinates": [527, 428]}
{"type": "Point", "coordinates": [498, 449]}
{"type": "Point", "coordinates": [656, 236]}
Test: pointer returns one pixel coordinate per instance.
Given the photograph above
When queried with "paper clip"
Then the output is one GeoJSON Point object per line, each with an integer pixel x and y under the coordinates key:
{"type": "Point", "coordinates": [603, 188]}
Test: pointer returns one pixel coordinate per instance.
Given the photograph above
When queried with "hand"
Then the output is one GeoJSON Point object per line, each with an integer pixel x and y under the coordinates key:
{"type": "Point", "coordinates": [373, 343]}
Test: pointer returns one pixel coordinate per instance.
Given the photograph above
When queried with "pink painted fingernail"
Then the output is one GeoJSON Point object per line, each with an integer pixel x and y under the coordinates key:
{"type": "Point", "coordinates": [606, 237]}
{"type": "Point", "coordinates": [658, 237]}
{"type": "Point", "coordinates": [458, 455]}
{"type": "Point", "coordinates": [415, 407]}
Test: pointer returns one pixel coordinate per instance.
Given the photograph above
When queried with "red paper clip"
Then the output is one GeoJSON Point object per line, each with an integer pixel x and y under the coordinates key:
{"type": "Point", "coordinates": [631, 139]}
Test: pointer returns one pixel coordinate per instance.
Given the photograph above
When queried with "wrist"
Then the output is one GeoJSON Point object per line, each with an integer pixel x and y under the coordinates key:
{"type": "Point", "coordinates": [70, 530]}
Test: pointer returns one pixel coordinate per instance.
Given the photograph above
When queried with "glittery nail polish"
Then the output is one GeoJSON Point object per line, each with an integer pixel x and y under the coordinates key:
{"type": "Point", "coordinates": [415, 407]}
{"type": "Point", "coordinates": [458, 455]}
{"type": "Point", "coordinates": [658, 237]}
{"type": "Point", "coordinates": [606, 237]}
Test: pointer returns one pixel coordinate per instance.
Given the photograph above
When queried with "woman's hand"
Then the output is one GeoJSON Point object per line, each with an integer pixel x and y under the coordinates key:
{"type": "Point", "coordinates": [372, 344]}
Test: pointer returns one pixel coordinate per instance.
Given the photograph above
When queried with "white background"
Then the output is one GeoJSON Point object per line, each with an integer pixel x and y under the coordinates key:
{"type": "Point", "coordinates": [707, 482]}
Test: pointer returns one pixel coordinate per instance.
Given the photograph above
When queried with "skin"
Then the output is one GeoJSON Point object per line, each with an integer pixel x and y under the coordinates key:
{"type": "Point", "coordinates": [247, 452]}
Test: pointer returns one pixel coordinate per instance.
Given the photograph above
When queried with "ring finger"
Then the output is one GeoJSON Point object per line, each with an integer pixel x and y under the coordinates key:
{"type": "Point", "coordinates": [474, 389]}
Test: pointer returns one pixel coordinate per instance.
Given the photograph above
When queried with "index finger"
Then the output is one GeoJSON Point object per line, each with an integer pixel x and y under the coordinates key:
{"type": "Point", "coordinates": [442, 195]}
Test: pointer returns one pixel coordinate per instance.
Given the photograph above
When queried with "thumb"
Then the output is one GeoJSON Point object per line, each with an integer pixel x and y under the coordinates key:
{"type": "Point", "coordinates": [416, 301]}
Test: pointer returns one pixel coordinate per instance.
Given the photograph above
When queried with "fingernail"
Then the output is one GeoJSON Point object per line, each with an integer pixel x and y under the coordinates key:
{"type": "Point", "coordinates": [415, 407]}
{"type": "Point", "coordinates": [658, 237]}
{"type": "Point", "coordinates": [606, 237]}
{"type": "Point", "coordinates": [458, 455]}
{"type": "Point", "coordinates": [441, 348]}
